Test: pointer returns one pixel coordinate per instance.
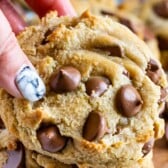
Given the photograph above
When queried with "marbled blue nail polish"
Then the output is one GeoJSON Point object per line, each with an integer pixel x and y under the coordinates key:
{"type": "Point", "coordinates": [30, 84]}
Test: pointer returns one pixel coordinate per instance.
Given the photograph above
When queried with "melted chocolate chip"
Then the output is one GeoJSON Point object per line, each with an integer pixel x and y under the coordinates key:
{"type": "Point", "coordinates": [128, 101]}
{"type": "Point", "coordinates": [15, 158]}
{"type": "Point", "coordinates": [163, 43]}
{"type": "Point", "coordinates": [50, 139]}
{"type": "Point", "coordinates": [66, 80]}
{"type": "Point", "coordinates": [2, 126]}
{"type": "Point", "coordinates": [94, 127]}
{"type": "Point", "coordinates": [161, 9]}
{"type": "Point", "coordinates": [153, 71]}
{"type": "Point", "coordinates": [148, 147]}
{"type": "Point", "coordinates": [96, 86]}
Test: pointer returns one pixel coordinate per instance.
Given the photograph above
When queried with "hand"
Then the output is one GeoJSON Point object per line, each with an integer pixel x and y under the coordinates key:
{"type": "Point", "coordinates": [17, 74]}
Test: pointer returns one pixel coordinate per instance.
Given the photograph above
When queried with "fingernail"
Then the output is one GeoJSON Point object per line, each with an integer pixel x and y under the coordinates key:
{"type": "Point", "coordinates": [30, 84]}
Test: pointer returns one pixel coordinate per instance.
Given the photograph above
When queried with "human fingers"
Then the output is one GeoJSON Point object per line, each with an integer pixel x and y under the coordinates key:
{"type": "Point", "coordinates": [17, 75]}
{"type": "Point", "coordinates": [15, 20]}
{"type": "Point", "coordinates": [41, 7]}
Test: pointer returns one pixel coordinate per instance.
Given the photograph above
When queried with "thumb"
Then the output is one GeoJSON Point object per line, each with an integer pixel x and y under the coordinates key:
{"type": "Point", "coordinates": [17, 76]}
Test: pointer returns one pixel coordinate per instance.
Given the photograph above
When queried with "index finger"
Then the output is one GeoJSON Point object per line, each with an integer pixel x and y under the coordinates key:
{"type": "Point", "coordinates": [41, 7]}
{"type": "Point", "coordinates": [16, 21]}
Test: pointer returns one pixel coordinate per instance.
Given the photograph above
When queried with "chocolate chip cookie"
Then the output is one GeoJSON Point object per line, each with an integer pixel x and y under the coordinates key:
{"type": "Point", "coordinates": [104, 93]}
{"type": "Point", "coordinates": [155, 13]}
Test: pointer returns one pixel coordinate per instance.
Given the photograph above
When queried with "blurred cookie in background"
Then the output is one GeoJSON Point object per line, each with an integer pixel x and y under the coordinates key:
{"type": "Point", "coordinates": [155, 14]}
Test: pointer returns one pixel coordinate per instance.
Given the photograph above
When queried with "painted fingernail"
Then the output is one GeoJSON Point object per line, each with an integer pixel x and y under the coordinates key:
{"type": "Point", "coordinates": [30, 84]}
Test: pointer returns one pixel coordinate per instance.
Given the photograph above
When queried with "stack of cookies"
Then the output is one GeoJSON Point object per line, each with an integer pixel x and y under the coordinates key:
{"type": "Point", "coordinates": [105, 91]}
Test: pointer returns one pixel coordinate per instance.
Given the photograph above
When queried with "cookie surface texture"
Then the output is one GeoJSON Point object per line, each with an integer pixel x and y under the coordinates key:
{"type": "Point", "coordinates": [101, 108]}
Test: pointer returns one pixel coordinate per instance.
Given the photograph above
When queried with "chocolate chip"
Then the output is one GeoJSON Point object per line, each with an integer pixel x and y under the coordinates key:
{"type": "Point", "coordinates": [128, 23]}
{"type": "Point", "coordinates": [94, 127]}
{"type": "Point", "coordinates": [153, 71]}
{"type": "Point", "coordinates": [47, 33]}
{"type": "Point", "coordinates": [161, 9]}
{"type": "Point", "coordinates": [126, 73]}
{"type": "Point", "coordinates": [116, 51]}
{"type": "Point", "coordinates": [163, 43]}
{"type": "Point", "coordinates": [103, 12]}
{"type": "Point", "coordinates": [15, 158]}
{"type": "Point", "coordinates": [148, 146]}
{"type": "Point", "coordinates": [50, 139]}
{"type": "Point", "coordinates": [96, 86]}
{"type": "Point", "coordinates": [164, 94]}
{"type": "Point", "coordinates": [66, 80]}
{"type": "Point", "coordinates": [113, 50]}
{"type": "Point", "coordinates": [2, 126]}
{"type": "Point", "coordinates": [128, 101]}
